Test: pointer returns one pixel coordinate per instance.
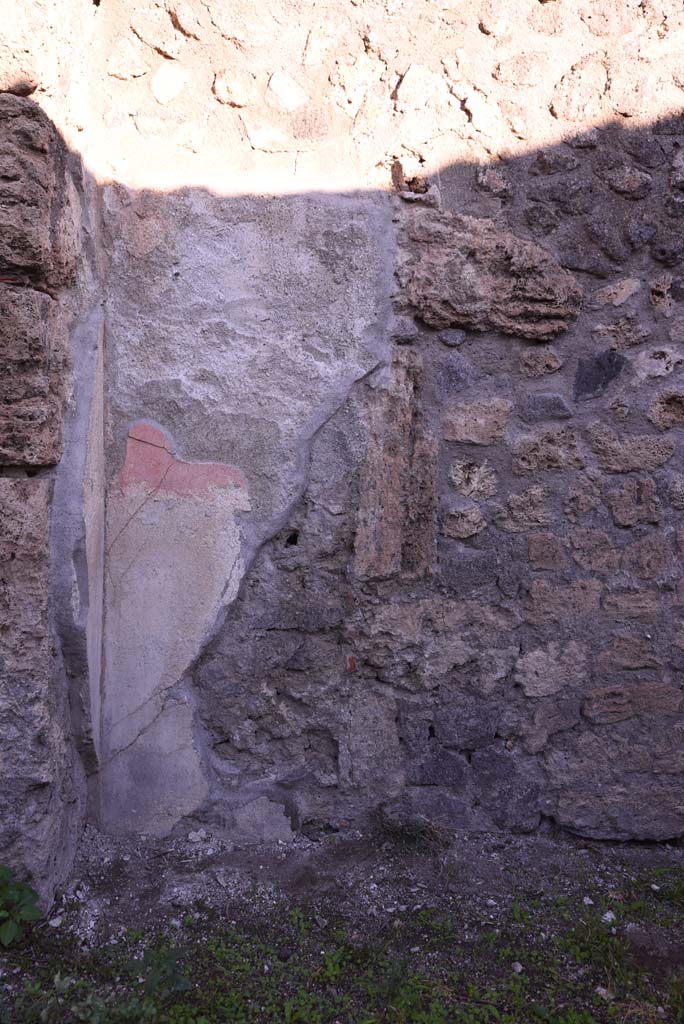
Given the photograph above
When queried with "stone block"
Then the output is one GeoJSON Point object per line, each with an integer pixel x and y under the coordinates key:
{"type": "Point", "coordinates": [634, 502]}
{"type": "Point", "coordinates": [579, 93]}
{"type": "Point", "coordinates": [627, 653]}
{"type": "Point", "coordinates": [668, 410]}
{"type": "Point", "coordinates": [657, 362]}
{"type": "Point", "coordinates": [625, 332]}
{"type": "Point", "coordinates": [452, 338]}
{"type": "Point", "coordinates": [548, 670]}
{"type": "Point", "coordinates": [537, 362]}
{"type": "Point", "coordinates": [595, 373]}
{"type": "Point", "coordinates": [601, 806]}
{"type": "Point", "coordinates": [547, 603]}
{"type": "Point", "coordinates": [466, 724]}
{"type": "Point", "coordinates": [482, 422]}
{"type": "Point", "coordinates": [616, 294]}
{"type": "Point", "coordinates": [583, 497]}
{"type": "Point", "coordinates": [462, 571]}
{"type": "Point", "coordinates": [546, 551]}
{"type": "Point", "coordinates": [639, 604]}
{"type": "Point", "coordinates": [593, 550]}
{"type": "Point", "coordinates": [629, 453]}
{"type": "Point", "coordinates": [476, 480]}
{"type": "Point", "coordinates": [552, 449]}
{"type": "Point", "coordinates": [629, 181]}
{"type": "Point", "coordinates": [611, 704]}
{"type": "Point", "coordinates": [464, 272]}
{"type": "Point", "coordinates": [463, 523]}
{"type": "Point", "coordinates": [396, 523]}
{"type": "Point", "coordinates": [456, 374]}
{"type": "Point", "coordinates": [677, 491]}
{"type": "Point", "coordinates": [660, 294]}
{"type": "Point", "coordinates": [550, 718]}
{"type": "Point", "coordinates": [648, 558]}
{"type": "Point", "coordinates": [524, 511]}
{"type": "Point", "coordinates": [370, 755]}
{"type": "Point", "coordinates": [542, 406]}
{"type": "Point", "coordinates": [33, 350]}
{"type": "Point", "coordinates": [439, 767]}
{"type": "Point", "coordinates": [428, 810]}
{"type": "Point", "coordinates": [153, 25]}
{"type": "Point", "coordinates": [235, 87]}
{"type": "Point", "coordinates": [38, 237]}
{"type": "Point", "coordinates": [507, 787]}
{"type": "Point", "coordinates": [36, 782]}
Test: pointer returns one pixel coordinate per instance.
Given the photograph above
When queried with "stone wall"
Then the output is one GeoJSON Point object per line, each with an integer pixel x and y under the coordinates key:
{"type": "Point", "coordinates": [472, 615]}
{"type": "Point", "coordinates": [388, 416]}
{"type": "Point", "coordinates": [44, 286]}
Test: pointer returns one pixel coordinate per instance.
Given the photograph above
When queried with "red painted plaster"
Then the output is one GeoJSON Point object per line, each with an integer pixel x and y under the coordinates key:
{"type": "Point", "coordinates": [150, 434]}
{"type": "Point", "coordinates": [150, 461]}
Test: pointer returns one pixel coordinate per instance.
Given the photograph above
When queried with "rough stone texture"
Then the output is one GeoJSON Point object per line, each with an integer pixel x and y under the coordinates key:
{"type": "Point", "coordinates": [537, 362]}
{"type": "Point", "coordinates": [546, 551]}
{"type": "Point", "coordinates": [45, 288]}
{"type": "Point", "coordinates": [547, 670]}
{"type": "Point", "coordinates": [477, 422]}
{"type": "Point", "coordinates": [524, 511]}
{"type": "Point", "coordinates": [473, 479]}
{"type": "Point", "coordinates": [398, 490]}
{"type": "Point", "coordinates": [37, 230]}
{"type": "Point", "coordinates": [668, 410]}
{"type": "Point", "coordinates": [595, 374]}
{"type": "Point", "coordinates": [32, 392]}
{"type": "Point", "coordinates": [38, 787]}
{"type": "Point", "coordinates": [628, 454]}
{"type": "Point", "coordinates": [38, 246]}
{"type": "Point", "coordinates": [463, 272]}
{"type": "Point", "coordinates": [548, 450]}
{"type": "Point", "coordinates": [542, 406]}
{"type": "Point", "coordinates": [634, 502]}
{"type": "Point", "coordinates": [464, 522]}
{"type": "Point", "coordinates": [375, 571]}
{"type": "Point", "coordinates": [592, 550]}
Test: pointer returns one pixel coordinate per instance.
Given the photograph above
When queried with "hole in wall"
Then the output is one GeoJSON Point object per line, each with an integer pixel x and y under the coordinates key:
{"type": "Point", "coordinates": [292, 539]}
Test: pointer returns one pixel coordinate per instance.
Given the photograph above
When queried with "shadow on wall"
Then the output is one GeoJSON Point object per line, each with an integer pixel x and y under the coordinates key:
{"type": "Point", "coordinates": [393, 492]}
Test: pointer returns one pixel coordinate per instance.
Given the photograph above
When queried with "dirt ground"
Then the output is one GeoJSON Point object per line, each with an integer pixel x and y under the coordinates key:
{"type": "Point", "coordinates": [357, 927]}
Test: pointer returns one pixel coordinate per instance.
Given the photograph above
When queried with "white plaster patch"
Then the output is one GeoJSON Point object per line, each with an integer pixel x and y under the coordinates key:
{"type": "Point", "coordinates": [173, 548]}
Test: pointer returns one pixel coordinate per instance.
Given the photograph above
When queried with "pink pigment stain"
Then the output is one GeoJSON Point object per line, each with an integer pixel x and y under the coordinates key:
{"type": "Point", "coordinates": [150, 461]}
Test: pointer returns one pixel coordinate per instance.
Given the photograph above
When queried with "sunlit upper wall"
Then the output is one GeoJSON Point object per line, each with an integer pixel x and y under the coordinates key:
{"type": "Point", "coordinates": [290, 95]}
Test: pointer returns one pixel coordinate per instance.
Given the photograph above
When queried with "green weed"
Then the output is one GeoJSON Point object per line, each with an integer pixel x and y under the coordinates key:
{"type": "Point", "coordinates": [18, 905]}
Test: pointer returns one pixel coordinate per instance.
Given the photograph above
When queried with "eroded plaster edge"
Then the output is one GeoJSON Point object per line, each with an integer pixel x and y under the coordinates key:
{"type": "Point", "coordinates": [77, 537]}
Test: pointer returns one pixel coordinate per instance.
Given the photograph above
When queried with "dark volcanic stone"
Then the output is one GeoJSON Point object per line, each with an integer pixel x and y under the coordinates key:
{"type": "Point", "coordinates": [455, 374]}
{"type": "Point", "coordinates": [452, 338]}
{"type": "Point", "coordinates": [462, 571]}
{"type": "Point", "coordinates": [669, 250]}
{"type": "Point", "coordinates": [439, 768]}
{"type": "Point", "coordinates": [467, 725]}
{"type": "Point", "coordinates": [640, 232]}
{"type": "Point", "coordinates": [545, 406]}
{"type": "Point", "coordinates": [595, 374]}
